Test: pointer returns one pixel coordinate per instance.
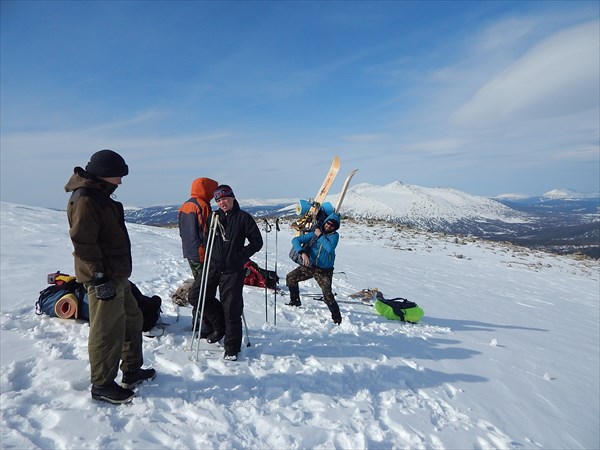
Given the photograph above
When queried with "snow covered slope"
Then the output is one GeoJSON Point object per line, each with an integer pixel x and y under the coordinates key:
{"type": "Point", "coordinates": [505, 357]}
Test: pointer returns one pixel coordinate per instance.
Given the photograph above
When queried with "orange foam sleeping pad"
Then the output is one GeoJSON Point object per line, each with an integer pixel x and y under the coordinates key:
{"type": "Point", "coordinates": [66, 307]}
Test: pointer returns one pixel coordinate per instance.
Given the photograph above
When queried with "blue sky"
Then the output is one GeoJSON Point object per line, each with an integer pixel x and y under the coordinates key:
{"type": "Point", "coordinates": [486, 97]}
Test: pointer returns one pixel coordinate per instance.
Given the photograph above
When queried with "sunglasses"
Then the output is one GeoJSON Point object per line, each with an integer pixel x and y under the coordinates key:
{"type": "Point", "coordinates": [330, 223]}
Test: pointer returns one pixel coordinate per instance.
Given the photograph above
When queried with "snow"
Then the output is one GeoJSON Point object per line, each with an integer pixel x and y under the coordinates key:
{"type": "Point", "coordinates": [423, 206]}
{"type": "Point", "coordinates": [512, 196]}
{"type": "Point", "coordinates": [507, 355]}
{"type": "Point", "coordinates": [566, 194]}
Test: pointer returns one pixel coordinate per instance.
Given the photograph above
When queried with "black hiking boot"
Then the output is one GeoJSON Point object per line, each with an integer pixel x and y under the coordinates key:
{"type": "Point", "coordinates": [335, 312]}
{"type": "Point", "coordinates": [215, 336]}
{"type": "Point", "coordinates": [294, 295]}
{"type": "Point", "coordinates": [137, 377]}
{"type": "Point", "coordinates": [112, 393]}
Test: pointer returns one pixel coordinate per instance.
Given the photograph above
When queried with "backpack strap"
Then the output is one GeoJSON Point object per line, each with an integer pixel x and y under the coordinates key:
{"type": "Point", "coordinates": [201, 217]}
{"type": "Point", "coordinates": [398, 304]}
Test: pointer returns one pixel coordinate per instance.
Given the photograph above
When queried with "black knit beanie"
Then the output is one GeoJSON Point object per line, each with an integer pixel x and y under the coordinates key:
{"type": "Point", "coordinates": [107, 163]}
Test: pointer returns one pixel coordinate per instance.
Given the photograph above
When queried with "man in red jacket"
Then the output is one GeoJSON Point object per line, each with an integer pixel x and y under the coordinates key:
{"type": "Point", "coordinates": [193, 220]}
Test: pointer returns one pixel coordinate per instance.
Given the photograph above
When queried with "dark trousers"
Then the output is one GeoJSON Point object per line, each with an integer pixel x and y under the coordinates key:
{"type": "Point", "coordinates": [211, 308]}
{"type": "Point", "coordinates": [226, 314]}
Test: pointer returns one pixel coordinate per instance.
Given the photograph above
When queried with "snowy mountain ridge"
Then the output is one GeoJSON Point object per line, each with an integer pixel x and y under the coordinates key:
{"type": "Point", "coordinates": [439, 208]}
{"type": "Point", "coordinates": [566, 223]}
{"type": "Point", "coordinates": [554, 194]}
{"type": "Point", "coordinates": [424, 207]}
{"type": "Point", "coordinates": [421, 207]}
{"type": "Point", "coordinates": [569, 194]}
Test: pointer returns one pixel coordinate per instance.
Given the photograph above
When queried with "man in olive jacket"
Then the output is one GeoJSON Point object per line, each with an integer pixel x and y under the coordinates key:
{"type": "Point", "coordinates": [102, 253]}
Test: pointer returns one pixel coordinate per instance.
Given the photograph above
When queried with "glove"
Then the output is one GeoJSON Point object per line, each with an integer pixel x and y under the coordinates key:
{"type": "Point", "coordinates": [104, 287]}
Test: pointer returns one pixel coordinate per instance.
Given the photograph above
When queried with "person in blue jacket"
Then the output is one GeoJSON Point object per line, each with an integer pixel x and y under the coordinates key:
{"type": "Point", "coordinates": [317, 250]}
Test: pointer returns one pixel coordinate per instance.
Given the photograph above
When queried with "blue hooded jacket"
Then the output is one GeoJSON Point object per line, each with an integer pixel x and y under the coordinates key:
{"type": "Point", "coordinates": [321, 250]}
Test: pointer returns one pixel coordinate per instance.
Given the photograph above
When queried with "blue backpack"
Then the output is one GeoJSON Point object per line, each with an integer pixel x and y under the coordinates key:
{"type": "Point", "coordinates": [68, 299]}
{"type": "Point", "coordinates": [64, 298]}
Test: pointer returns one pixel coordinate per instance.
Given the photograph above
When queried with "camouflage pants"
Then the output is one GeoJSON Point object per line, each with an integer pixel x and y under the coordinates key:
{"type": "Point", "coordinates": [323, 277]}
{"type": "Point", "coordinates": [196, 268]}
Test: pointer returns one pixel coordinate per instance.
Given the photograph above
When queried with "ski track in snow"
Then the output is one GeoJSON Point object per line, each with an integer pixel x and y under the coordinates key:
{"type": "Point", "coordinates": [304, 382]}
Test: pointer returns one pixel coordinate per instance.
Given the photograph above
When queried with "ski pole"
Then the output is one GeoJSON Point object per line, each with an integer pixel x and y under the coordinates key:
{"type": "Point", "coordinates": [246, 326]}
{"type": "Point", "coordinates": [202, 275]}
{"type": "Point", "coordinates": [267, 230]}
{"type": "Point", "coordinates": [216, 224]}
{"type": "Point", "coordinates": [277, 229]}
{"type": "Point", "coordinates": [203, 279]}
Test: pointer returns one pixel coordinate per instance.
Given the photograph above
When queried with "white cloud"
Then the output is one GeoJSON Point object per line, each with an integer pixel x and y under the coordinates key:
{"type": "Point", "coordinates": [584, 153]}
{"type": "Point", "coordinates": [504, 35]}
{"type": "Point", "coordinates": [374, 137]}
{"type": "Point", "coordinates": [559, 76]}
{"type": "Point", "coordinates": [438, 147]}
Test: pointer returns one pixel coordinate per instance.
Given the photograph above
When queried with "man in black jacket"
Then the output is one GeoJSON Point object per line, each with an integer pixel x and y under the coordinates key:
{"type": "Point", "coordinates": [226, 272]}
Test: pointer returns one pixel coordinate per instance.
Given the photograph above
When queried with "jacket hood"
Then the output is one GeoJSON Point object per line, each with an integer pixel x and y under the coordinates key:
{"type": "Point", "coordinates": [82, 179]}
{"type": "Point", "coordinates": [204, 188]}
{"type": "Point", "coordinates": [334, 217]}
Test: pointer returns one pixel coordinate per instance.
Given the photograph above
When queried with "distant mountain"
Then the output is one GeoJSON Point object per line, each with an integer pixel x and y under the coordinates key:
{"type": "Point", "coordinates": [560, 220]}
{"type": "Point", "coordinates": [152, 215]}
{"type": "Point", "coordinates": [567, 221]}
{"type": "Point", "coordinates": [166, 215]}
{"type": "Point", "coordinates": [565, 202]}
{"type": "Point", "coordinates": [511, 197]}
{"type": "Point", "coordinates": [438, 209]}
{"type": "Point", "coordinates": [431, 208]}
{"type": "Point", "coordinates": [555, 194]}
{"type": "Point", "coordinates": [569, 194]}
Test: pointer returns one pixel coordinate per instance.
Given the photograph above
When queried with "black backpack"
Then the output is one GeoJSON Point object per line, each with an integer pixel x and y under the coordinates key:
{"type": "Point", "coordinates": [150, 307]}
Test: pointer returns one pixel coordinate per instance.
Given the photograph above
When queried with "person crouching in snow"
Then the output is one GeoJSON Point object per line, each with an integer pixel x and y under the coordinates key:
{"type": "Point", "coordinates": [317, 249]}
